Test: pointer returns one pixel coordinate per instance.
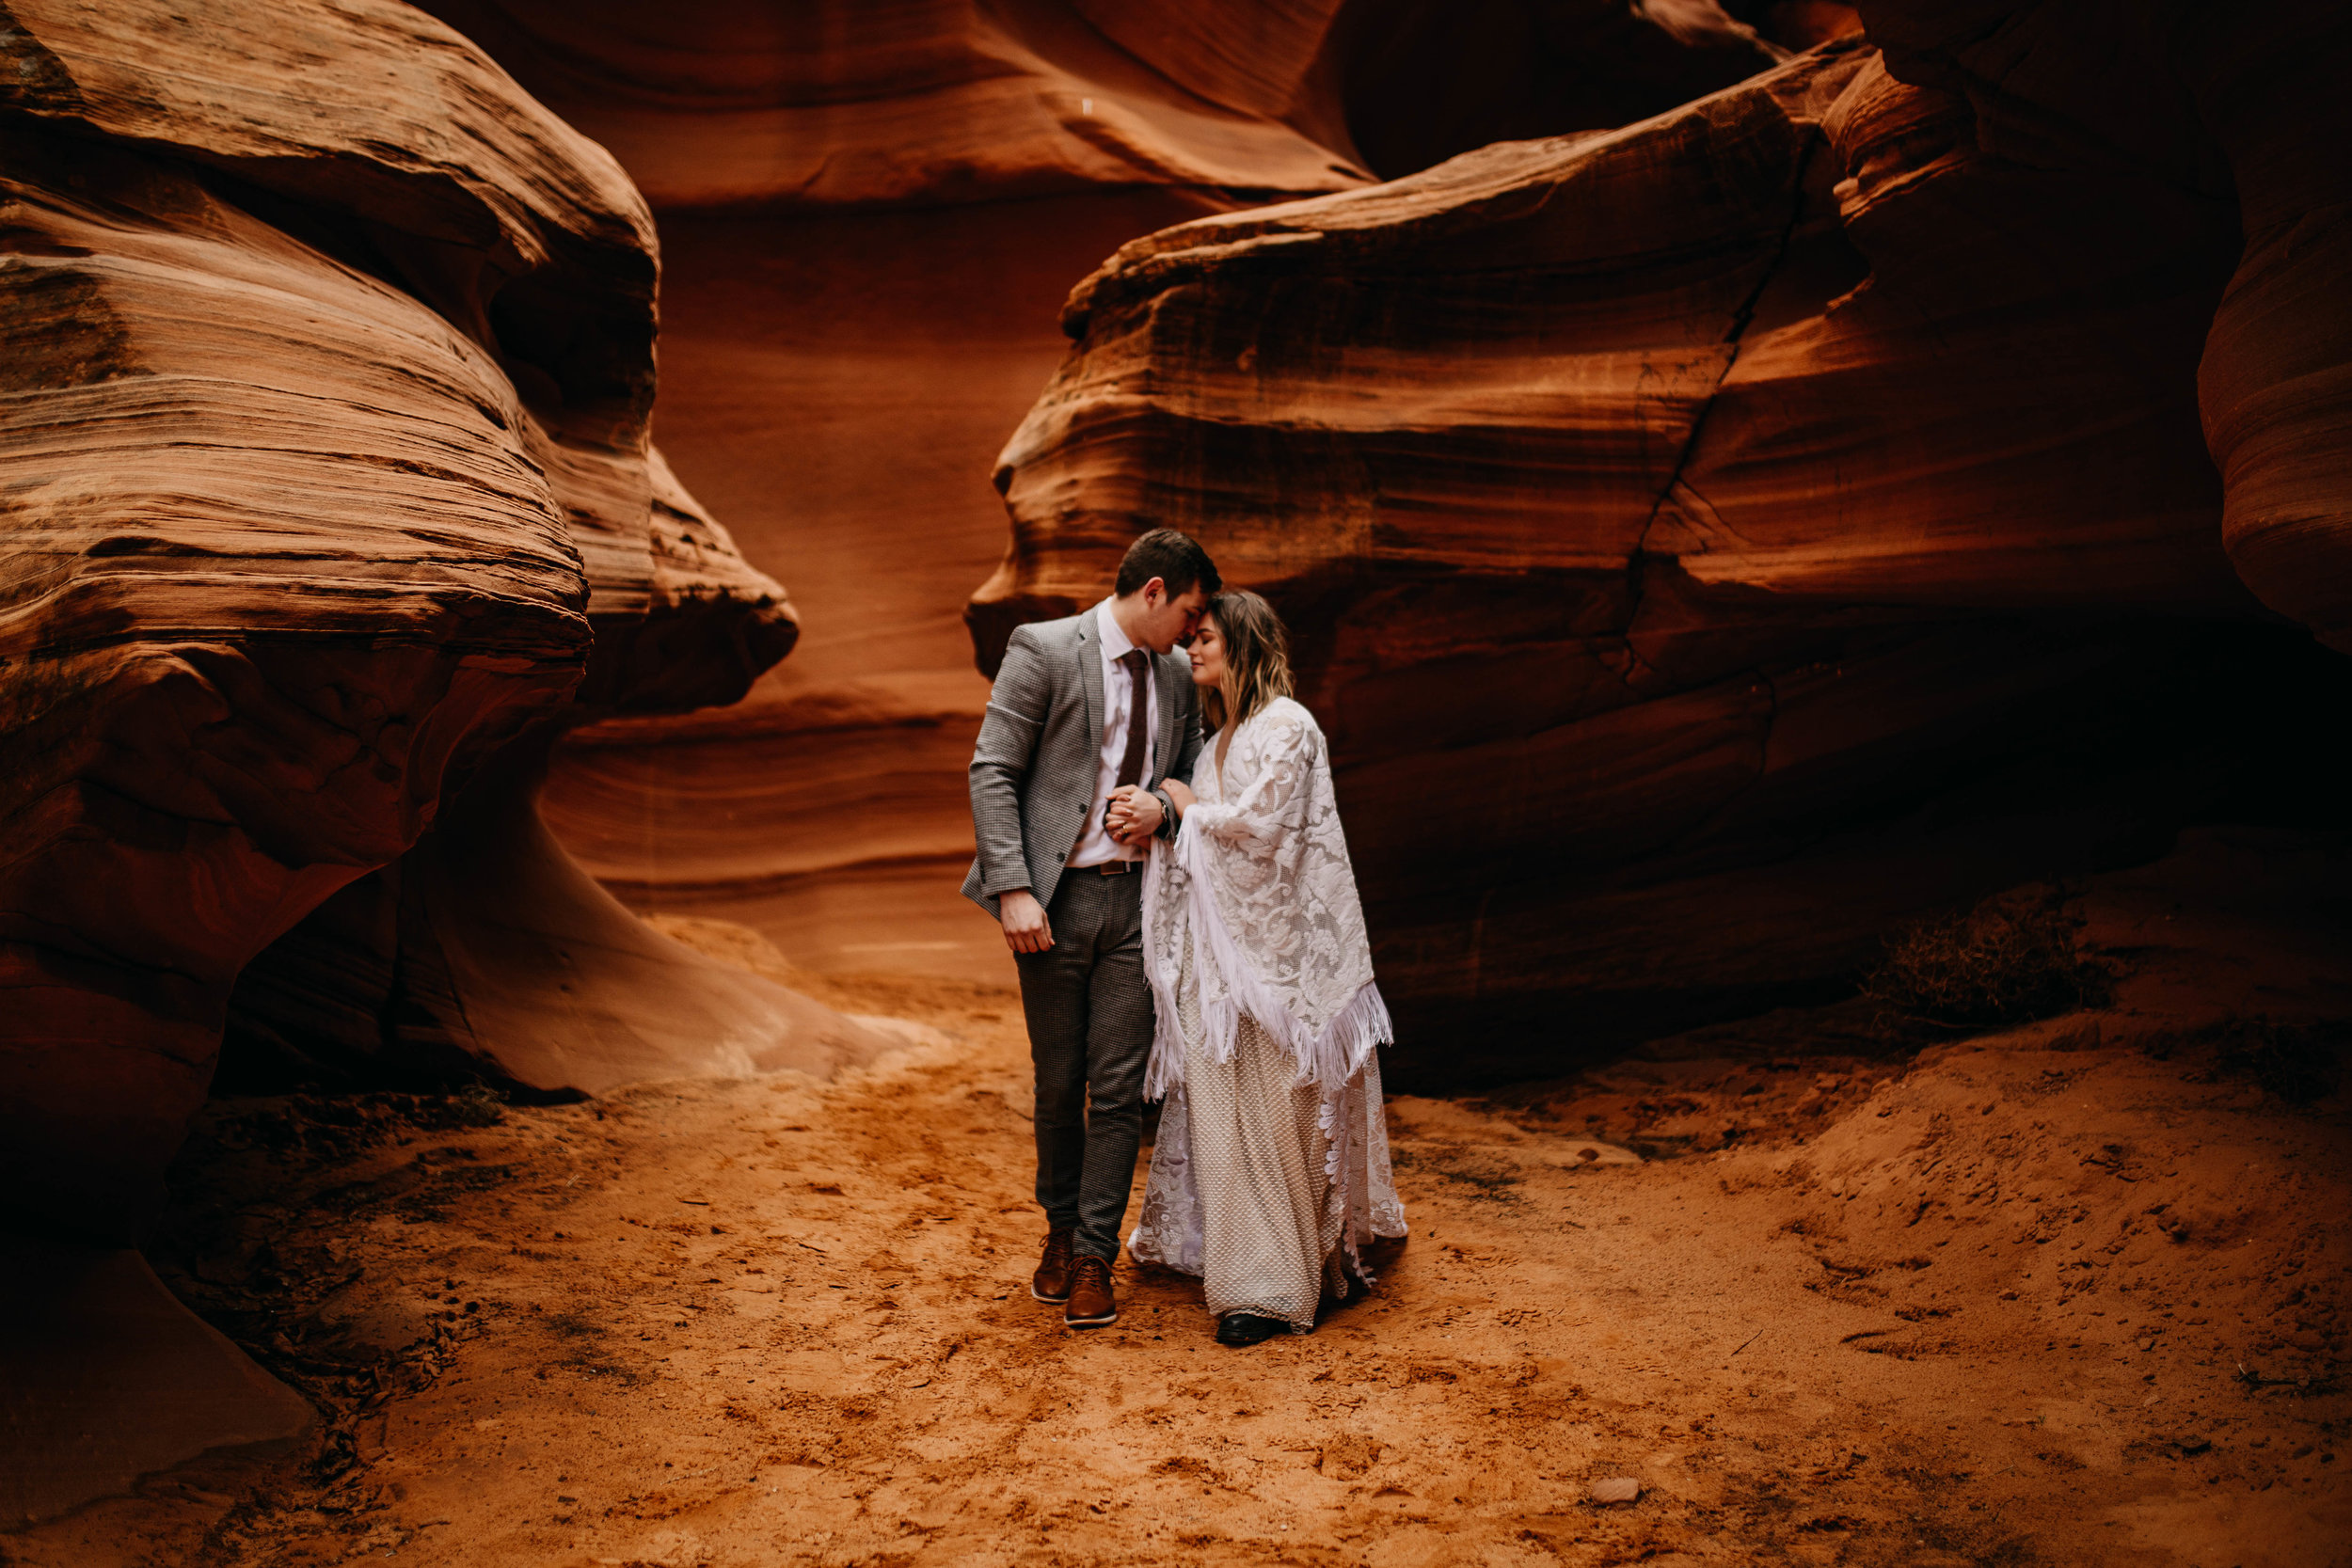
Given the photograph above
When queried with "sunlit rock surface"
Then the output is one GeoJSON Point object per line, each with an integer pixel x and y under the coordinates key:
{"type": "Point", "coordinates": [326, 462]}
{"type": "Point", "coordinates": [870, 217]}
{"type": "Point", "coordinates": [1710, 541]}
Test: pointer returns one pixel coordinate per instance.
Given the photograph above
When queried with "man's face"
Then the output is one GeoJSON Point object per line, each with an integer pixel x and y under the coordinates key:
{"type": "Point", "coordinates": [1167, 623]}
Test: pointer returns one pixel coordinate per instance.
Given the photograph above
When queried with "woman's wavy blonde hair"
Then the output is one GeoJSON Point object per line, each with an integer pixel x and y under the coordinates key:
{"type": "Point", "coordinates": [1257, 659]}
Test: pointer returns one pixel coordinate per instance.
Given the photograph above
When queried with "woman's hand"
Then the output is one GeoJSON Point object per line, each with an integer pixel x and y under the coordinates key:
{"type": "Point", "coordinates": [1133, 814]}
{"type": "Point", "coordinates": [1179, 794]}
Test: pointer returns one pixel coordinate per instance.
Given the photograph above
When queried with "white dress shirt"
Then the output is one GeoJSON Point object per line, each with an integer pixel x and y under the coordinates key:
{"type": "Point", "coordinates": [1095, 844]}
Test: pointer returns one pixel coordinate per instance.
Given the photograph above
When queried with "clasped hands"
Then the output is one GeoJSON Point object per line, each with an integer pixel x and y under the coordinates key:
{"type": "Point", "coordinates": [1134, 815]}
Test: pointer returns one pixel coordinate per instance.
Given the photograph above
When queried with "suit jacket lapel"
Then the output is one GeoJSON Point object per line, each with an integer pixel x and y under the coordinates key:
{"type": "Point", "coordinates": [1090, 681]}
{"type": "Point", "coordinates": [1170, 697]}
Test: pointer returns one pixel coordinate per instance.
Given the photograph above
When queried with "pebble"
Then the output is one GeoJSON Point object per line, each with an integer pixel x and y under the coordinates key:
{"type": "Point", "coordinates": [1616, 1489]}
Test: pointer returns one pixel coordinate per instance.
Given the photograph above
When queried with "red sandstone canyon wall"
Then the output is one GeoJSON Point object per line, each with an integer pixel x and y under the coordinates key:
{"type": "Point", "coordinates": [327, 474]}
{"type": "Point", "coordinates": [870, 217]}
{"type": "Point", "coordinates": [1713, 540]}
{"type": "Point", "coordinates": [1728, 502]}
{"type": "Point", "coordinates": [2203, 96]}
{"type": "Point", "coordinates": [1748, 524]}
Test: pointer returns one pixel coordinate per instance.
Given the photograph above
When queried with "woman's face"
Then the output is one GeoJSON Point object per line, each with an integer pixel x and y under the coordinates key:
{"type": "Point", "coordinates": [1208, 652]}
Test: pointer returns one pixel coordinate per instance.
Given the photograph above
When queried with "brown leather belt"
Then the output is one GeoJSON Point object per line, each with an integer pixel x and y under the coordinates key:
{"type": "Point", "coordinates": [1116, 868]}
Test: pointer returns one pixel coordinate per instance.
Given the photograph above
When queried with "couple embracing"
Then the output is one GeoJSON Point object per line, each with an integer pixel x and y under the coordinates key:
{"type": "Point", "coordinates": [1184, 919]}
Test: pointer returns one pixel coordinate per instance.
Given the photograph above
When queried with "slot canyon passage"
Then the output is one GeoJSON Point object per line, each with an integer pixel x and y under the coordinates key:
{"type": "Point", "coordinates": [1776, 500]}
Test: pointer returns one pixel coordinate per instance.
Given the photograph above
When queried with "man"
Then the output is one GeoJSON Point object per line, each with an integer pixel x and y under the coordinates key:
{"type": "Point", "coordinates": [1082, 707]}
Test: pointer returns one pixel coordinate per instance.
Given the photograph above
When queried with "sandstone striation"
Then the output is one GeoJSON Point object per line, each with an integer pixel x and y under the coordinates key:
{"type": "Point", "coordinates": [737, 105]}
{"type": "Point", "coordinates": [2212, 99]}
{"type": "Point", "coordinates": [753, 107]}
{"type": "Point", "coordinates": [327, 466]}
{"type": "Point", "coordinates": [1714, 539]}
{"type": "Point", "coordinates": [870, 217]}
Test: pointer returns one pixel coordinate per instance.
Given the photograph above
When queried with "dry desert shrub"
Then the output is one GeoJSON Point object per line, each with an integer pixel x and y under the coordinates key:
{"type": "Point", "coordinates": [2006, 962]}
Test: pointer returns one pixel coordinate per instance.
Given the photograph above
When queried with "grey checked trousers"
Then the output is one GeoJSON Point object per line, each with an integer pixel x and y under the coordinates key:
{"type": "Point", "coordinates": [1088, 1008]}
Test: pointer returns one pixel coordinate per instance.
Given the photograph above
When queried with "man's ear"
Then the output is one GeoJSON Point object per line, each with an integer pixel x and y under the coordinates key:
{"type": "Point", "coordinates": [1154, 592]}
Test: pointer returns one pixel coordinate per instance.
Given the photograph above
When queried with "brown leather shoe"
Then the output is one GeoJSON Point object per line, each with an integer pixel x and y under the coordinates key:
{"type": "Point", "coordinates": [1051, 1283]}
{"type": "Point", "coordinates": [1091, 1304]}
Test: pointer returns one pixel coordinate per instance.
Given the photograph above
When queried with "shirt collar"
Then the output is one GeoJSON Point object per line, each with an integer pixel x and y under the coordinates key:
{"type": "Point", "coordinates": [1114, 643]}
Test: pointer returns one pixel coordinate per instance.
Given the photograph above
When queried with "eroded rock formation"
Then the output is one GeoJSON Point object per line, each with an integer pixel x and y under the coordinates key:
{"type": "Point", "coordinates": [1713, 540]}
{"type": "Point", "coordinates": [104, 1378]}
{"type": "Point", "coordinates": [869, 217]}
{"type": "Point", "coordinates": [327, 466]}
{"type": "Point", "coordinates": [2205, 98]}
{"type": "Point", "coordinates": [747, 105]}
{"type": "Point", "coordinates": [737, 105]}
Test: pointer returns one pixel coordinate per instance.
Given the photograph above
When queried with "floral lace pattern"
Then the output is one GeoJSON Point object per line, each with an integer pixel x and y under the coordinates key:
{"type": "Point", "coordinates": [1172, 1231]}
{"type": "Point", "coordinates": [1253, 912]}
{"type": "Point", "coordinates": [1257, 898]}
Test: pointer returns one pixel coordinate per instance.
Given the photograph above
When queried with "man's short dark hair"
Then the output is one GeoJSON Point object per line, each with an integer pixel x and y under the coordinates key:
{"type": "Point", "coordinates": [1180, 563]}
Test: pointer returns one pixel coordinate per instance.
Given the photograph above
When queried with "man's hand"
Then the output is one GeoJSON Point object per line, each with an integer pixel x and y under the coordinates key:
{"type": "Point", "coordinates": [1133, 815]}
{"type": "Point", "coordinates": [1025, 927]}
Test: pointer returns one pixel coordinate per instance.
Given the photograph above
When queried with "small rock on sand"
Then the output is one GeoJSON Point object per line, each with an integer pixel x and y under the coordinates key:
{"type": "Point", "coordinates": [1616, 1489]}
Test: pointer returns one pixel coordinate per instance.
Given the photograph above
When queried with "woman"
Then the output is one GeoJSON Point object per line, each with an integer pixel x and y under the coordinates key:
{"type": "Point", "coordinates": [1271, 1166]}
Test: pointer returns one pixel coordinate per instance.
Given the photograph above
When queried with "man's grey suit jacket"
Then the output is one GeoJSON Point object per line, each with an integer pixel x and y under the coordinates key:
{"type": "Point", "coordinates": [1033, 770]}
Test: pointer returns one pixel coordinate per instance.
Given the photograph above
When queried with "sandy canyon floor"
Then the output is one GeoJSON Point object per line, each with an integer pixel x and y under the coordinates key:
{"type": "Point", "coordinates": [2073, 1294]}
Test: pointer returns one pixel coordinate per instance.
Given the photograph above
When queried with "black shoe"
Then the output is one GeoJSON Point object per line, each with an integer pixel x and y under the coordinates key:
{"type": "Point", "coordinates": [1248, 1329]}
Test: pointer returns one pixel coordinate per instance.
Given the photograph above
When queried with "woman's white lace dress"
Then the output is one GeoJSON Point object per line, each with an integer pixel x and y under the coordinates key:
{"type": "Point", "coordinates": [1272, 1160]}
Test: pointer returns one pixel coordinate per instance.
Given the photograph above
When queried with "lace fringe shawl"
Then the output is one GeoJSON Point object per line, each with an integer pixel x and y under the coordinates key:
{"type": "Point", "coordinates": [1327, 1058]}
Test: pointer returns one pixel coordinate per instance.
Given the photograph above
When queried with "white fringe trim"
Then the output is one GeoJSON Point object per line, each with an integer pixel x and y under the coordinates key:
{"type": "Point", "coordinates": [1327, 1058]}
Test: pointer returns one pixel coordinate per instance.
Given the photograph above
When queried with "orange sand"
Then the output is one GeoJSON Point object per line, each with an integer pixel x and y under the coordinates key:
{"type": "Point", "coordinates": [2067, 1295]}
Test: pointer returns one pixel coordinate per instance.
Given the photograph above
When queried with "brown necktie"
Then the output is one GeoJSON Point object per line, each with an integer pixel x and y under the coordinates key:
{"type": "Point", "coordinates": [1139, 666]}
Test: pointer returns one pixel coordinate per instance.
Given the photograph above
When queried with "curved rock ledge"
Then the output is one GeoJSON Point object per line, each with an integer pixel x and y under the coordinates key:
{"type": "Point", "coordinates": [324, 441]}
{"type": "Point", "coordinates": [1710, 540]}
{"type": "Point", "coordinates": [105, 1378]}
{"type": "Point", "coordinates": [2214, 98]}
{"type": "Point", "coordinates": [870, 217]}
{"type": "Point", "coordinates": [742, 106]}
